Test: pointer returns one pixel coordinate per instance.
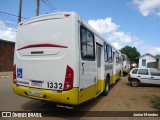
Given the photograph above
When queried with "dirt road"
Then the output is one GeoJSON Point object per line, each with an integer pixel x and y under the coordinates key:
{"type": "Point", "coordinates": [122, 97]}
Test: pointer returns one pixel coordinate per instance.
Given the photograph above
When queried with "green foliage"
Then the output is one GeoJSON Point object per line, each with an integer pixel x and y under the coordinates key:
{"type": "Point", "coordinates": [155, 101]}
{"type": "Point", "coordinates": [158, 56]}
{"type": "Point", "coordinates": [131, 53]}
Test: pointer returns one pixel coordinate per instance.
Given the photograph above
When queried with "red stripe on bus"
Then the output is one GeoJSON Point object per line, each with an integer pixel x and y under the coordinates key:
{"type": "Point", "coordinates": [42, 45]}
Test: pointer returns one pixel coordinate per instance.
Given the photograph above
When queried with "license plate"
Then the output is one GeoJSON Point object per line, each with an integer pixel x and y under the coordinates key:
{"type": "Point", "coordinates": [36, 83]}
{"type": "Point", "coordinates": [37, 94]}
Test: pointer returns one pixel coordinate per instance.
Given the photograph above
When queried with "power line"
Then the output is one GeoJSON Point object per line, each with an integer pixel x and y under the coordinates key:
{"type": "Point", "coordinates": [49, 4]}
{"type": "Point", "coordinates": [10, 25]}
{"type": "Point", "coordinates": [52, 5]}
{"type": "Point", "coordinates": [9, 22]}
{"type": "Point", "coordinates": [7, 17]}
{"type": "Point", "coordinates": [12, 14]}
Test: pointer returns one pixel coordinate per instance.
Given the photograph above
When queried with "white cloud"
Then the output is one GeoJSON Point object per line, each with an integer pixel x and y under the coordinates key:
{"type": "Point", "coordinates": [152, 50]}
{"type": "Point", "coordinates": [148, 6]}
{"type": "Point", "coordinates": [107, 27]}
{"type": "Point", "coordinates": [137, 43]}
{"type": "Point", "coordinates": [7, 33]}
{"type": "Point", "coordinates": [117, 45]}
{"type": "Point", "coordinates": [122, 36]}
{"type": "Point", "coordinates": [110, 30]}
{"type": "Point", "coordinates": [118, 38]}
{"type": "Point", "coordinates": [103, 25]}
{"type": "Point", "coordinates": [158, 13]}
{"type": "Point", "coordinates": [157, 50]}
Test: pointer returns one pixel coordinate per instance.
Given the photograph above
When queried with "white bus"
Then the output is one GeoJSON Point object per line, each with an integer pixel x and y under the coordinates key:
{"type": "Point", "coordinates": [126, 64]}
{"type": "Point", "coordinates": [60, 58]}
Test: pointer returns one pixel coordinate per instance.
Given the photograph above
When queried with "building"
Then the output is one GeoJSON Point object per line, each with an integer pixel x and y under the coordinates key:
{"type": "Point", "coordinates": [148, 61]}
{"type": "Point", "coordinates": [6, 55]}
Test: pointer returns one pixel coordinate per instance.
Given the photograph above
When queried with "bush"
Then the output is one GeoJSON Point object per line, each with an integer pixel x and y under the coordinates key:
{"type": "Point", "coordinates": [155, 101]}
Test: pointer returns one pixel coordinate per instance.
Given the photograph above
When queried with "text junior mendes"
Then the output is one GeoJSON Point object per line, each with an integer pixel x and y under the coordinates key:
{"type": "Point", "coordinates": [15, 114]}
{"type": "Point", "coordinates": [145, 114]}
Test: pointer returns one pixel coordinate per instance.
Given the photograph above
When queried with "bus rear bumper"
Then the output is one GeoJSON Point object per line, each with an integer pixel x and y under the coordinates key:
{"type": "Point", "coordinates": [65, 97]}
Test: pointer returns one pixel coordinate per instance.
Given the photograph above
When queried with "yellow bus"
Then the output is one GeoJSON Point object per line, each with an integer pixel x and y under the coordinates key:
{"type": "Point", "coordinates": [60, 58]}
{"type": "Point", "coordinates": [126, 64]}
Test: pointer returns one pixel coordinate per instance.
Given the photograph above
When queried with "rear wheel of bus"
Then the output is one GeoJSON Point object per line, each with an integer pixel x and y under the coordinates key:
{"type": "Point", "coordinates": [106, 89]}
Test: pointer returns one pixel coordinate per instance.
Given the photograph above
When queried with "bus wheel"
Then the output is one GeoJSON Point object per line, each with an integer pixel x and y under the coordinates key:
{"type": "Point", "coordinates": [120, 74]}
{"type": "Point", "coordinates": [106, 89]}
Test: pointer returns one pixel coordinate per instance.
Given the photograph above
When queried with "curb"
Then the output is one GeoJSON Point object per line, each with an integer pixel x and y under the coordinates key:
{"type": "Point", "coordinates": [6, 74]}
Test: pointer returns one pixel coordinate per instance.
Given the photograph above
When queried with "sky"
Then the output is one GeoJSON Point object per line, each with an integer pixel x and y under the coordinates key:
{"type": "Point", "coordinates": [121, 22]}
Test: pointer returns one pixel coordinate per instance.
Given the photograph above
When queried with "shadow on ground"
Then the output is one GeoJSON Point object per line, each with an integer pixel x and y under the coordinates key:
{"type": "Point", "coordinates": [50, 109]}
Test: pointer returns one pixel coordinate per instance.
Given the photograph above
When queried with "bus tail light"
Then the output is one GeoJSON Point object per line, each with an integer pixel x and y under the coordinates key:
{"type": "Point", "coordinates": [14, 74]}
{"type": "Point", "coordinates": [68, 84]}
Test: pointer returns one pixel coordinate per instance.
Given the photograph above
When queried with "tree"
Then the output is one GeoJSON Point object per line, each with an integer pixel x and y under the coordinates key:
{"type": "Point", "coordinates": [158, 56]}
{"type": "Point", "coordinates": [131, 53]}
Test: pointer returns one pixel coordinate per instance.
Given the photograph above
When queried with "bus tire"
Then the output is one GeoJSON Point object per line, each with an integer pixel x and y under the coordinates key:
{"type": "Point", "coordinates": [120, 74]}
{"type": "Point", "coordinates": [106, 89]}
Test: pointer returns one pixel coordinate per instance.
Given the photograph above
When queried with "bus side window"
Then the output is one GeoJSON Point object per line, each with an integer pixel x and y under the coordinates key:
{"type": "Point", "coordinates": [123, 58]}
{"type": "Point", "coordinates": [105, 53]}
{"type": "Point", "coordinates": [87, 45]}
{"type": "Point", "coordinates": [117, 57]}
{"type": "Point", "coordinates": [109, 53]}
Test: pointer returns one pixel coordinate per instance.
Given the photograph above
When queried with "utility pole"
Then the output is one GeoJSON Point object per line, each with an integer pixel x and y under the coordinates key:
{"type": "Point", "coordinates": [37, 8]}
{"type": "Point", "coordinates": [20, 11]}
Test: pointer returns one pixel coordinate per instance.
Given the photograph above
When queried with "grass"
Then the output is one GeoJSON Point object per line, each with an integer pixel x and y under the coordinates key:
{"type": "Point", "coordinates": [155, 101]}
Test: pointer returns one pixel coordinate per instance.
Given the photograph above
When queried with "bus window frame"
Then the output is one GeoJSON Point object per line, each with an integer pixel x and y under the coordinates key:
{"type": "Point", "coordinates": [86, 30]}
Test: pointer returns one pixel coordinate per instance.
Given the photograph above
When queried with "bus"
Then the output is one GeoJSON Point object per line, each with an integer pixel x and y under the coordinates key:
{"type": "Point", "coordinates": [126, 64]}
{"type": "Point", "coordinates": [60, 58]}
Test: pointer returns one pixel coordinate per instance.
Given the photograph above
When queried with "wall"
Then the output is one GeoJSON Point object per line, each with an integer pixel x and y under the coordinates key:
{"type": "Point", "coordinates": [6, 55]}
{"type": "Point", "coordinates": [153, 64]}
{"type": "Point", "coordinates": [148, 59]}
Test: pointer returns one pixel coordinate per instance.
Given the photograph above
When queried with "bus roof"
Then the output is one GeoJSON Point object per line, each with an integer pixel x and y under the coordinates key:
{"type": "Point", "coordinates": [65, 14]}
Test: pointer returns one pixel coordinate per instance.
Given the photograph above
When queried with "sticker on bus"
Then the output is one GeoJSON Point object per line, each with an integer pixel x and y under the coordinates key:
{"type": "Point", "coordinates": [19, 73]}
{"type": "Point", "coordinates": [36, 83]}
